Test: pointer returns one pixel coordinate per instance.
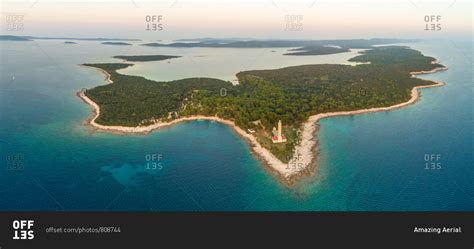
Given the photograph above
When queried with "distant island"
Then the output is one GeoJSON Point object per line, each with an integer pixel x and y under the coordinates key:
{"type": "Point", "coordinates": [317, 50]}
{"type": "Point", "coordinates": [214, 40]}
{"type": "Point", "coordinates": [303, 47]}
{"type": "Point", "coordinates": [29, 38]}
{"type": "Point", "coordinates": [145, 57]}
{"type": "Point", "coordinates": [117, 43]}
{"type": "Point", "coordinates": [354, 43]}
{"type": "Point", "coordinates": [13, 38]}
{"type": "Point", "coordinates": [292, 99]}
{"type": "Point", "coordinates": [70, 42]}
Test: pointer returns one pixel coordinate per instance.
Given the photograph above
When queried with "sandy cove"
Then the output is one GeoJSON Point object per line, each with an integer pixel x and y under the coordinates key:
{"type": "Point", "coordinates": [304, 160]}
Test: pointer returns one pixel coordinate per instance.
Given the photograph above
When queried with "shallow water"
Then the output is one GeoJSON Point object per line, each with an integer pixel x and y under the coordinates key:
{"type": "Point", "coordinates": [224, 63]}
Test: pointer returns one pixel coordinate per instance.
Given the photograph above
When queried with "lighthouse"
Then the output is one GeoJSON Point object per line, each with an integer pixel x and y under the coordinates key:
{"type": "Point", "coordinates": [278, 137]}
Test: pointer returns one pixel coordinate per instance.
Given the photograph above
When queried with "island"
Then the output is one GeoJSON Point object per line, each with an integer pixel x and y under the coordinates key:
{"type": "Point", "coordinates": [30, 38]}
{"type": "Point", "coordinates": [79, 38]}
{"type": "Point", "coordinates": [214, 40]}
{"type": "Point", "coordinates": [229, 43]}
{"type": "Point", "coordinates": [145, 57]}
{"type": "Point", "coordinates": [298, 47]}
{"type": "Point", "coordinates": [317, 50]}
{"type": "Point", "coordinates": [13, 38]}
{"type": "Point", "coordinates": [275, 110]}
{"type": "Point", "coordinates": [117, 43]}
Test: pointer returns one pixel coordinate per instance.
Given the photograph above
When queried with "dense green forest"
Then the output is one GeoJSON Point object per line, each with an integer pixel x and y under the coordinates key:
{"type": "Point", "coordinates": [263, 97]}
{"type": "Point", "coordinates": [145, 57]}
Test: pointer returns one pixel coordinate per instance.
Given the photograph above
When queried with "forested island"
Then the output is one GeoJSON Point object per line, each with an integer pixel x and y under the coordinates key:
{"type": "Point", "coordinates": [145, 57]}
{"type": "Point", "coordinates": [29, 38]}
{"type": "Point", "coordinates": [229, 43]}
{"type": "Point", "coordinates": [263, 97]}
{"type": "Point", "coordinates": [300, 47]}
{"type": "Point", "coordinates": [117, 43]}
{"type": "Point", "coordinates": [13, 38]}
{"type": "Point", "coordinates": [317, 50]}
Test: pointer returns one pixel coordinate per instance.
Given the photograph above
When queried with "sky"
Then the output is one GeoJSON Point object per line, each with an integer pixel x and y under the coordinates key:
{"type": "Point", "coordinates": [261, 19]}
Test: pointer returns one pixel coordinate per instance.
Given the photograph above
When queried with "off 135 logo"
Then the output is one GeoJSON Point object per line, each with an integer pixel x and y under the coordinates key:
{"type": "Point", "coordinates": [432, 161]}
{"type": "Point", "coordinates": [154, 22]}
{"type": "Point", "coordinates": [432, 22]}
{"type": "Point", "coordinates": [23, 229]}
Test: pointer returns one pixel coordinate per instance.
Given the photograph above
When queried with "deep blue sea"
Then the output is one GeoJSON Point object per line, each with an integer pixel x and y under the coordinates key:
{"type": "Point", "coordinates": [51, 160]}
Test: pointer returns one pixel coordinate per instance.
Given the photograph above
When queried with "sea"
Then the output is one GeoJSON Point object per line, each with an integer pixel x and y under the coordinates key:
{"type": "Point", "coordinates": [418, 158]}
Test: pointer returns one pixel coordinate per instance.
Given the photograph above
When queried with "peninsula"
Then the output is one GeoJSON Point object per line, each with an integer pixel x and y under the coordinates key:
{"type": "Point", "coordinates": [294, 98]}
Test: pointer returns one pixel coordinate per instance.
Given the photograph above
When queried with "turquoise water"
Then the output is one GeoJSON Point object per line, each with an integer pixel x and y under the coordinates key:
{"type": "Point", "coordinates": [368, 162]}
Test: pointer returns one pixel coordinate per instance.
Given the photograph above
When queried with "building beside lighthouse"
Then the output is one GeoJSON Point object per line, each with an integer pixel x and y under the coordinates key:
{"type": "Point", "coordinates": [278, 137]}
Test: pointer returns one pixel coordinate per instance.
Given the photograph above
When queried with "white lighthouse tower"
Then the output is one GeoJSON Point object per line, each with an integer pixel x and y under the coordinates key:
{"type": "Point", "coordinates": [278, 137]}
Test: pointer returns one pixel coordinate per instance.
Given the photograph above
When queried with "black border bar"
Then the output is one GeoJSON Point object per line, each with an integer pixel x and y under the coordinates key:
{"type": "Point", "coordinates": [244, 229]}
